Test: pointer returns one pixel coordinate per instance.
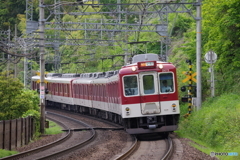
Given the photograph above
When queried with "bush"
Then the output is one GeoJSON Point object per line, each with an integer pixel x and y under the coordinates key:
{"type": "Point", "coordinates": [216, 123]}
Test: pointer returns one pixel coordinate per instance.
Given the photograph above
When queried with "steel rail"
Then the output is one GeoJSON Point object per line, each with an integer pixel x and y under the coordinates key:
{"type": "Point", "coordinates": [65, 151]}
{"type": "Point", "coordinates": [130, 151]}
{"type": "Point", "coordinates": [169, 152]}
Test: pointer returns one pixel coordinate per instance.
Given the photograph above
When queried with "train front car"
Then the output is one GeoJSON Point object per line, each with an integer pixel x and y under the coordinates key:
{"type": "Point", "coordinates": [148, 105]}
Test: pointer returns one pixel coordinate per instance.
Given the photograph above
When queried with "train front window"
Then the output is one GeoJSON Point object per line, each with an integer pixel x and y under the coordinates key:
{"type": "Point", "coordinates": [130, 85]}
{"type": "Point", "coordinates": [166, 82]}
{"type": "Point", "coordinates": [148, 84]}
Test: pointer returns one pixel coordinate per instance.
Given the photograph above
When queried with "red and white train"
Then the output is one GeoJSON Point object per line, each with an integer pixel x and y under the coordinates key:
{"type": "Point", "coordinates": [133, 96]}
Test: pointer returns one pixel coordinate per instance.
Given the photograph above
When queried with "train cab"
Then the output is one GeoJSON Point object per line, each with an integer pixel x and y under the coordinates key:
{"type": "Point", "coordinates": [149, 95]}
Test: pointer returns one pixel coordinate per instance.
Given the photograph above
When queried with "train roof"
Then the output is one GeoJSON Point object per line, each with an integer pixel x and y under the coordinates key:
{"type": "Point", "coordinates": [83, 80]}
{"type": "Point", "coordinates": [165, 66]}
{"type": "Point", "coordinates": [70, 75]}
{"type": "Point", "coordinates": [145, 57]}
{"type": "Point", "coordinates": [96, 75]}
{"type": "Point", "coordinates": [54, 79]}
{"type": "Point", "coordinates": [100, 80]}
{"type": "Point", "coordinates": [60, 79]}
{"type": "Point", "coordinates": [35, 77]}
{"type": "Point", "coordinates": [54, 75]}
{"type": "Point", "coordinates": [100, 77]}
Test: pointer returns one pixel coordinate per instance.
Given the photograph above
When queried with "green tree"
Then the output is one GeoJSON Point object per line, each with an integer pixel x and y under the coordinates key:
{"type": "Point", "coordinates": [14, 99]}
{"type": "Point", "coordinates": [221, 31]}
{"type": "Point", "coordinates": [8, 13]}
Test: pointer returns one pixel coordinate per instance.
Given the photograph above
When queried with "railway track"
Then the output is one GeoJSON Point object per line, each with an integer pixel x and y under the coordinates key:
{"type": "Point", "coordinates": [167, 155]}
{"type": "Point", "coordinates": [132, 145]}
{"type": "Point", "coordinates": [135, 143]}
{"type": "Point", "coordinates": [170, 149]}
{"type": "Point", "coordinates": [133, 152]}
{"type": "Point", "coordinates": [40, 152]}
{"type": "Point", "coordinates": [130, 151]}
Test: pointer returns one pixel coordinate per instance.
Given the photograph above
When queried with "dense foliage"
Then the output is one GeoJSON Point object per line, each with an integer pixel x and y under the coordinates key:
{"type": "Point", "coordinates": [221, 34]}
{"type": "Point", "coordinates": [15, 101]}
{"type": "Point", "coordinates": [9, 11]}
{"type": "Point", "coordinates": [215, 126]}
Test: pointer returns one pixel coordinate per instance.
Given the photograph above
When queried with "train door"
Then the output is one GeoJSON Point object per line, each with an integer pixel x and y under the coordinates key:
{"type": "Point", "coordinates": [149, 93]}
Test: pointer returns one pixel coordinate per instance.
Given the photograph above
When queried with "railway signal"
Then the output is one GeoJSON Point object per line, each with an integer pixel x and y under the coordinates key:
{"type": "Point", "coordinates": [190, 78]}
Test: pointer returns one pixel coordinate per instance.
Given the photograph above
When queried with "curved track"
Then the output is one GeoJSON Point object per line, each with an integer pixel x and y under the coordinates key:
{"type": "Point", "coordinates": [40, 152]}
{"type": "Point", "coordinates": [169, 152]}
{"type": "Point", "coordinates": [149, 150]}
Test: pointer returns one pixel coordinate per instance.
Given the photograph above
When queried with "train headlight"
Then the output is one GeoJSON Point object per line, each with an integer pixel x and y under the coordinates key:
{"type": "Point", "coordinates": [174, 107]}
{"type": "Point", "coordinates": [160, 66]}
{"type": "Point", "coordinates": [127, 111]}
{"type": "Point", "coordinates": [134, 69]}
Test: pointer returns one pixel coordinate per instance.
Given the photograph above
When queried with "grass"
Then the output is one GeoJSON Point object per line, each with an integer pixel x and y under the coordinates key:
{"type": "Point", "coordinates": [53, 129]}
{"type": "Point", "coordinates": [216, 126]}
{"type": "Point", "coordinates": [5, 153]}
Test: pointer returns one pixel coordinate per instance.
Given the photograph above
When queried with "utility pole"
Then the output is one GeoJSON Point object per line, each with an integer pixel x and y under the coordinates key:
{"type": "Point", "coordinates": [198, 53]}
{"type": "Point", "coordinates": [8, 43]}
{"type": "Point", "coordinates": [15, 64]}
{"type": "Point", "coordinates": [42, 65]}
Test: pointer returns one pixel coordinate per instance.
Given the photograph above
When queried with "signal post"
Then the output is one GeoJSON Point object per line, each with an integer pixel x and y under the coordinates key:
{"type": "Point", "coordinates": [190, 78]}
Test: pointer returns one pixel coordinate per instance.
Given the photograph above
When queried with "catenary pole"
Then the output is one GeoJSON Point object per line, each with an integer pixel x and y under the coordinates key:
{"type": "Point", "coordinates": [42, 65]}
{"type": "Point", "coordinates": [198, 53]}
{"type": "Point", "coordinates": [15, 64]}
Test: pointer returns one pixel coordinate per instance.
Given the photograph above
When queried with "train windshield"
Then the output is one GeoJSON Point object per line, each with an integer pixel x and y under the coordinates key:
{"type": "Point", "coordinates": [130, 85]}
{"type": "Point", "coordinates": [148, 84]}
{"type": "Point", "coordinates": [166, 82]}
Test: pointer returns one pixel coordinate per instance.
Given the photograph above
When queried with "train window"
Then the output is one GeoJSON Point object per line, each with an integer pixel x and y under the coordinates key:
{"type": "Point", "coordinates": [53, 88]}
{"type": "Point", "coordinates": [64, 89]}
{"type": "Point", "coordinates": [56, 85]}
{"type": "Point", "coordinates": [148, 84]}
{"type": "Point", "coordinates": [166, 82]}
{"type": "Point", "coordinates": [78, 90]}
{"type": "Point", "coordinates": [67, 90]}
{"type": "Point", "coordinates": [130, 85]}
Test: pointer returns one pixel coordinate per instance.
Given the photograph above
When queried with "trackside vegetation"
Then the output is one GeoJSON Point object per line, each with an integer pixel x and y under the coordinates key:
{"type": "Point", "coordinates": [15, 100]}
{"type": "Point", "coordinates": [215, 126]}
{"type": "Point", "coordinates": [5, 153]}
{"type": "Point", "coordinates": [53, 128]}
